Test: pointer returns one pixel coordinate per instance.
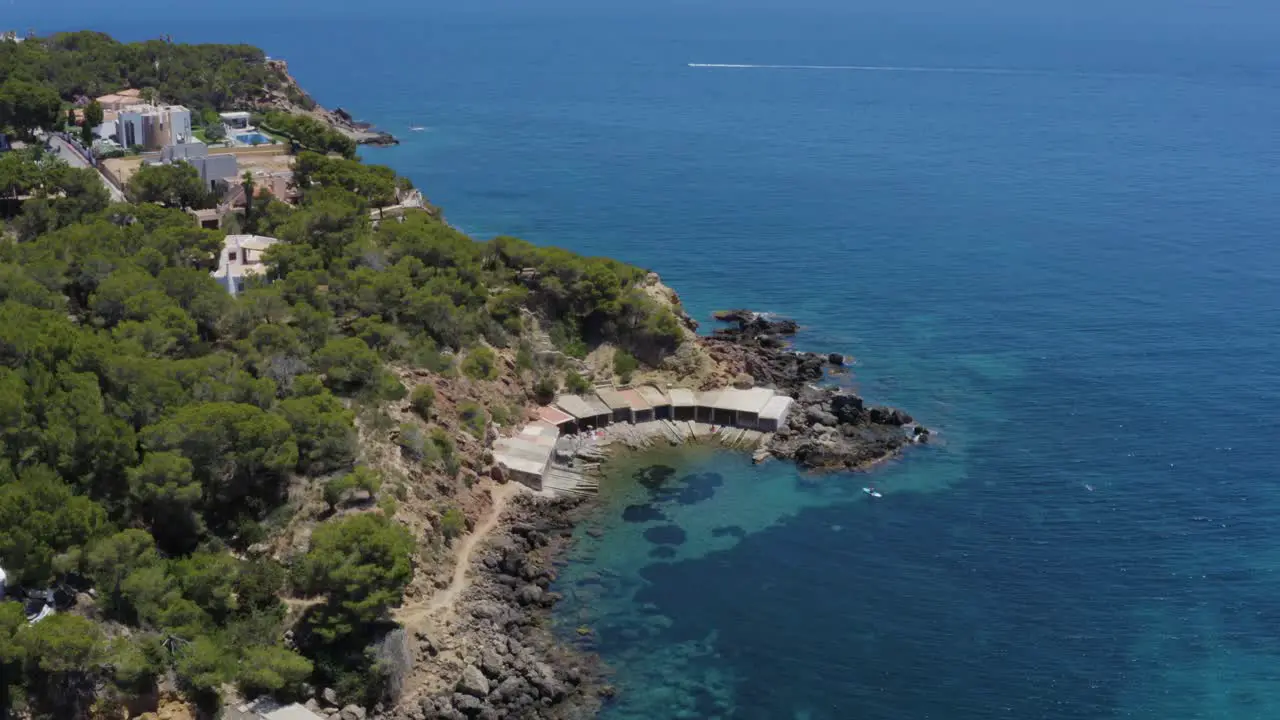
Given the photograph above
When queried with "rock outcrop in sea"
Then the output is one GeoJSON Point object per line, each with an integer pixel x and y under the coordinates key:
{"type": "Point", "coordinates": [829, 428]}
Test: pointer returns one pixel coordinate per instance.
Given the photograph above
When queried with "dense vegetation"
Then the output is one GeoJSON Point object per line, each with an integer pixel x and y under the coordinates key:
{"type": "Point", "coordinates": [307, 133]}
{"type": "Point", "coordinates": [58, 195]}
{"type": "Point", "coordinates": [90, 64]}
{"type": "Point", "coordinates": [26, 106]}
{"type": "Point", "coordinates": [39, 76]}
{"type": "Point", "coordinates": [177, 186]}
{"type": "Point", "coordinates": [152, 427]}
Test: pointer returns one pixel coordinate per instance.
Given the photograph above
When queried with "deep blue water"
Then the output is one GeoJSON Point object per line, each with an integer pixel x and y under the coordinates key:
{"type": "Point", "coordinates": [1060, 252]}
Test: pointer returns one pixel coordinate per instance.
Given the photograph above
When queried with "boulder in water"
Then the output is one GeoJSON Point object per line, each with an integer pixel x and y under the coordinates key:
{"type": "Point", "coordinates": [849, 408]}
{"type": "Point", "coordinates": [889, 416]}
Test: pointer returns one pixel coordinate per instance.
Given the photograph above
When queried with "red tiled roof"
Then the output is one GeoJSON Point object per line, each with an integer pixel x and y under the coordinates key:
{"type": "Point", "coordinates": [635, 401]}
{"type": "Point", "coordinates": [555, 416]}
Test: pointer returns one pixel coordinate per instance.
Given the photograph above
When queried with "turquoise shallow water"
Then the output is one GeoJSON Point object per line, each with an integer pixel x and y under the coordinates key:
{"type": "Point", "coordinates": [1068, 270]}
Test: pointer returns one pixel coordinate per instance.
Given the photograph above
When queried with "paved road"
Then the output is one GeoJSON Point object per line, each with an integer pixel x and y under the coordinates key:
{"type": "Point", "coordinates": [68, 154]}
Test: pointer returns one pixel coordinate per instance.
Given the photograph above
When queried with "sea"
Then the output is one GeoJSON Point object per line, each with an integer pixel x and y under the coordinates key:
{"type": "Point", "coordinates": [1049, 231]}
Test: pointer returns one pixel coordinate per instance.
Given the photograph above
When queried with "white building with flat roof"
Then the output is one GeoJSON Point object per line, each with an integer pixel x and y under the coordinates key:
{"type": "Point", "coordinates": [241, 258]}
{"type": "Point", "coordinates": [527, 455]}
{"type": "Point", "coordinates": [235, 120]}
{"type": "Point", "coordinates": [153, 126]}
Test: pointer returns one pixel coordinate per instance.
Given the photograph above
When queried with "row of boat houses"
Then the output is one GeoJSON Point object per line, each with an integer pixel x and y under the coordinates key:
{"type": "Point", "coordinates": [527, 455]}
{"type": "Point", "coordinates": [753, 408]}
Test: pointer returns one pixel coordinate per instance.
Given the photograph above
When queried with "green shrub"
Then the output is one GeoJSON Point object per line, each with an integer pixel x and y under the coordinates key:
{"type": "Point", "coordinates": [452, 523]}
{"type": "Point", "coordinates": [348, 364]}
{"type": "Point", "coordinates": [624, 365]}
{"type": "Point", "coordinates": [361, 478]}
{"type": "Point", "coordinates": [412, 442]}
{"type": "Point", "coordinates": [664, 329]}
{"type": "Point", "coordinates": [566, 337]}
{"type": "Point", "coordinates": [426, 354]}
{"type": "Point", "coordinates": [481, 364]}
{"type": "Point", "coordinates": [474, 419]}
{"type": "Point", "coordinates": [443, 443]}
{"type": "Point", "coordinates": [575, 383]}
{"type": "Point", "coordinates": [452, 465]}
{"type": "Point", "coordinates": [387, 387]}
{"type": "Point", "coordinates": [544, 391]}
{"type": "Point", "coordinates": [500, 415]}
{"type": "Point", "coordinates": [423, 400]}
{"type": "Point", "coordinates": [309, 133]}
{"type": "Point", "coordinates": [524, 356]}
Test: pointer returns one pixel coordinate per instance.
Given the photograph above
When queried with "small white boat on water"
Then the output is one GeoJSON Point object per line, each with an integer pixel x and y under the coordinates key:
{"type": "Point", "coordinates": [872, 492]}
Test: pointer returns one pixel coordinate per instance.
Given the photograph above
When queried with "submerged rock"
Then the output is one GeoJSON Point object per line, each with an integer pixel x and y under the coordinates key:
{"type": "Point", "coordinates": [665, 535]}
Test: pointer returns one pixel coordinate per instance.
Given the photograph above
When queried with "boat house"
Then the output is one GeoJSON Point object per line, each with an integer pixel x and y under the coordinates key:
{"type": "Point", "coordinates": [684, 404]}
{"type": "Point", "coordinates": [641, 410]}
{"type": "Point", "coordinates": [526, 456]}
{"type": "Point", "coordinates": [587, 411]}
{"type": "Point", "coordinates": [774, 414]}
{"type": "Point", "coordinates": [657, 400]}
{"type": "Point", "coordinates": [619, 406]}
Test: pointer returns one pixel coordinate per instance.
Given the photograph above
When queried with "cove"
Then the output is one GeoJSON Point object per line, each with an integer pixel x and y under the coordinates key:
{"type": "Point", "coordinates": [665, 566]}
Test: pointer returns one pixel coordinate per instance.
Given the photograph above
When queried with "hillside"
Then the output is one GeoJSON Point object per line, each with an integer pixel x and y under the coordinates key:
{"type": "Point", "coordinates": [229, 495]}
{"type": "Point", "coordinates": [202, 77]}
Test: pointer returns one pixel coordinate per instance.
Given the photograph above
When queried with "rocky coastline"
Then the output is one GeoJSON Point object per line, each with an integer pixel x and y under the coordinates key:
{"type": "Point", "coordinates": [502, 661]}
{"type": "Point", "coordinates": [339, 119]}
{"type": "Point", "coordinates": [828, 429]}
{"type": "Point", "coordinates": [362, 132]}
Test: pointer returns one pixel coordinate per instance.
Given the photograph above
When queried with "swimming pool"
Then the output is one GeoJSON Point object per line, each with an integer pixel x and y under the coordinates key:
{"type": "Point", "coordinates": [253, 138]}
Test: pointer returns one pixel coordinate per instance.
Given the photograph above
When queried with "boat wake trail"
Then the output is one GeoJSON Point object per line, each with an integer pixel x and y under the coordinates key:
{"type": "Point", "coordinates": [876, 68]}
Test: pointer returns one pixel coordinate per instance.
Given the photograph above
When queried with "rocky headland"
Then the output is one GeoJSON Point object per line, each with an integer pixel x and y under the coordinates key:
{"type": "Point", "coordinates": [494, 657]}
{"type": "Point", "coordinates": [293, 99]}
{"type": "Point", "coordinates": [829, 428]}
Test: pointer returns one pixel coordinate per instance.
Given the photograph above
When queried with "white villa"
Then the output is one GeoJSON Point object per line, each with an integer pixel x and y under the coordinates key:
{"type": "Point", "coordinates": [241, 258]}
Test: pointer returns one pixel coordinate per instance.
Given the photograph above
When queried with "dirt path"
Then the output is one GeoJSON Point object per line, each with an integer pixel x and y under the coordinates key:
{"type": "Point", "coordinates": [413, 616]}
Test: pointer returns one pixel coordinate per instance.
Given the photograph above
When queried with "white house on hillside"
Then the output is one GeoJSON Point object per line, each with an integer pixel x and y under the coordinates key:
{"type": "Point", "coordinates": [241, 258]}
{"type": "Point", "coordinates": [153, 127]}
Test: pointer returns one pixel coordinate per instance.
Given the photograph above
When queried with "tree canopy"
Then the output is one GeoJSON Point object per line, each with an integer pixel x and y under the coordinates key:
{"type": "Point", "coordinates": [153, 428]}
{"type": "Point", "coordinates": [91, 64]}
{"type": "Point", "coordinates": [58, 195]}
{"type": "Point", "coordinates": [309, 133]}
{"type": "Point", "coordinates": [361, 563]}
{"type": "Point", "coordinates": [28, 106]}
{"type": "Point", "coordinates": [175, 185]}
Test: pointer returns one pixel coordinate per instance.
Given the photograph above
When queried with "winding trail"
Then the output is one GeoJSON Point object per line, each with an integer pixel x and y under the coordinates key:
{"type": "Point", "coordinates": [412, 616]}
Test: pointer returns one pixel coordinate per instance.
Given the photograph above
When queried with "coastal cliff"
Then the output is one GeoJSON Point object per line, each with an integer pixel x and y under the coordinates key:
{"type": "Point", "coordinates": [494, 657]}
{"type": "Point", "coordinates": [291, 98]}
